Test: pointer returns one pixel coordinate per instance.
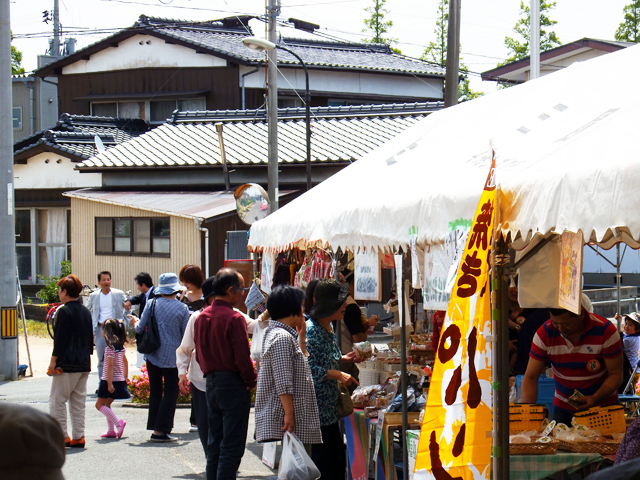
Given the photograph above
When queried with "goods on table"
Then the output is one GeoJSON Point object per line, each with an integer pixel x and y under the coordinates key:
{"type": "Point", "coordinates": [531, 443]}
{"type": "Point", "coordinates": [363, 350]}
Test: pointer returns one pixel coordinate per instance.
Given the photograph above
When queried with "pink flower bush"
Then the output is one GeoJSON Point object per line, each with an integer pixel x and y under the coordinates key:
{"type": "Point", "coordinates": [139, 388]}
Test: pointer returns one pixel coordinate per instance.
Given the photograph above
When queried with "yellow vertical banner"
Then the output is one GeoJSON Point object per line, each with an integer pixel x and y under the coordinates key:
{"type": "Point", "coordinates": [455, 441]}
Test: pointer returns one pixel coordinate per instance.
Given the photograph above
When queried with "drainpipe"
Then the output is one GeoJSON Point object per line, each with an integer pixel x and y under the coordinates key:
{"type": "Point", "coordinates": [242, 83]}
{"type": "Point", "coordinates": [206, 245]}
{"type": "Point", "coordinates": [30, 85]}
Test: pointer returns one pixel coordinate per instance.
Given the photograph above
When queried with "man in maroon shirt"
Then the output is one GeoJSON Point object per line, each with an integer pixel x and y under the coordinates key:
{"type": "Point", "coordinates": [222, 350]}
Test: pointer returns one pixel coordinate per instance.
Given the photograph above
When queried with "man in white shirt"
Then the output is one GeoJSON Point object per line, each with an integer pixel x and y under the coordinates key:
{"type": "Point", "coordinates": [104, 304]}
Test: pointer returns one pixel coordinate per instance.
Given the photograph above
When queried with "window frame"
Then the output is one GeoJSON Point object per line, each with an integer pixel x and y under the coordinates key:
{"type": "Point", "coordinates": [132, 252]}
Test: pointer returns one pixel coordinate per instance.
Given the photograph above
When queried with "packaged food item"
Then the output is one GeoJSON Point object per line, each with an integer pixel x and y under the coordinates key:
{"type": "Point", "coordinates": [362, 397]}
{"type": "Point", "coordinates": [371, 412]}
{"type": "Point", "coordinates": [363, 350]}
{"type": "Point", "coordinates": [56, 371]}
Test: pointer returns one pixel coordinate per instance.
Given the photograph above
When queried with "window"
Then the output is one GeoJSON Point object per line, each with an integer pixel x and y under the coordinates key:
{"type": "Point", "coordinates": [161, 110]}
{"type": "Point", "coordinates": [133, 236]}
{"type": "Point", "coordinates": [290, 102]}
{"type": "Point", "coordinates": [16, 113]}
{"type": "Point", "coordinates": [156, 111]}
{"type": "Point", "coordinates": [43, 240]}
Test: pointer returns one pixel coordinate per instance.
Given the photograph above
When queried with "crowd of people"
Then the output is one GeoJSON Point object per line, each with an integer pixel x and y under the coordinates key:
{"type": "Point", "coordinates": [204, 350]}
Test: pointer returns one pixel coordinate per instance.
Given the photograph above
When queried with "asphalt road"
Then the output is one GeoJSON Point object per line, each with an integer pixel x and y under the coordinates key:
{"type": "Point", "coordinates": [132, 456]}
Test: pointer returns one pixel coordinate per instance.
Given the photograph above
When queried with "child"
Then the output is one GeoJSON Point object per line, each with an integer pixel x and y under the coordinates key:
{"type": "Point", "coordinates": [630, 344]}
{"type": "Point", "coordinates": [113, 384]}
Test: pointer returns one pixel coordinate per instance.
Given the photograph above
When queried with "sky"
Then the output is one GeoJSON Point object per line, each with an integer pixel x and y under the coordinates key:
{"type": "Point", "coordinates": [484, 23]}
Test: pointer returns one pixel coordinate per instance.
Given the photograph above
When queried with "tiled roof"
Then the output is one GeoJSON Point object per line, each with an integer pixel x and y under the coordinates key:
{"type": "Point", "coordinates": [75, 135]}
{"type": "Point", "coordinates": [190, 138]}
{"type": "Point", "coordinates": [224, 38]}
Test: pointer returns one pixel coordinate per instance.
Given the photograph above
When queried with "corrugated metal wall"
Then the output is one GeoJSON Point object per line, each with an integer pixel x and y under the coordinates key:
{"type": "Point", "coordinates": [185, 246]}
{"type": "Point", "coordinates": [222, 83]}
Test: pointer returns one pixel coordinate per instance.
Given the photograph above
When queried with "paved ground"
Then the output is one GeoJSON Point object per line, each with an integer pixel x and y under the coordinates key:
{"type": "Point", "coordinates": [133, 455]}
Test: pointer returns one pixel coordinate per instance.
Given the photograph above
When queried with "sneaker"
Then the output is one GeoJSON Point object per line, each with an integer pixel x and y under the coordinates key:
{"type": "Point", "coordinates": [110, 434]}
{"type": "Point", "coordinates": [193, 428]}
{"type": "Point", "coordinates": [67, 442]}
{"type": "Point", "coordinates": [162, 438]}
{"type": "Point", "coordinates": [120, 427]}
{"type": "Point", "coordinates": [79, 443]}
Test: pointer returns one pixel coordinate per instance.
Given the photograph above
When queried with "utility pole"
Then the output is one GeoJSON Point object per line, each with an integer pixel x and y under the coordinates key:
{"type": "Point", "coordinates": [453, 54]}
{"type": "Point", "coordinates": [8, 346]}
{"type": "Point", "coordinates": [534, 39]}
{"type": "Point", "coordinates": [273, 9]}
{"type": "Point", "coordinates": [55, 46]}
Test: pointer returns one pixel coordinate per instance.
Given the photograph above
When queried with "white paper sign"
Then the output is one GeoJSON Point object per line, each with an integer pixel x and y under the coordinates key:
{"type": "Point", "coordinates": [367, 285]}
{"type": "Point", "coordinates": [266, 276]}
{"type": "Point", "coordinates": [435, 270]}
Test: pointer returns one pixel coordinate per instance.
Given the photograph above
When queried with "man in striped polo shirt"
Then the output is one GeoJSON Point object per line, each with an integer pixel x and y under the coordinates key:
{"type": "Point", "coordinates": [585, 353]}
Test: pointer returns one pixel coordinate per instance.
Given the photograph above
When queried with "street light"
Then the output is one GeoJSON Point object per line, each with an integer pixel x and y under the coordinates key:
{"type": "Point", "coordinates": [260, 45]}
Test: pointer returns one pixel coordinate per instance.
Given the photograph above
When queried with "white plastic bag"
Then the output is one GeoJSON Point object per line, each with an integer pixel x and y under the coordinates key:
{"type": "Point", "coordinates": [256, 340]}
{"type": "Point", "coordinates": [295, 464]}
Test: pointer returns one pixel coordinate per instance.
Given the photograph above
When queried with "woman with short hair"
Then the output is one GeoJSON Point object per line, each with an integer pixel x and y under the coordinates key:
{"type": "Point", "coordinates": [70, 360]}
{"type": "Point", "coordinates": [285, 398]}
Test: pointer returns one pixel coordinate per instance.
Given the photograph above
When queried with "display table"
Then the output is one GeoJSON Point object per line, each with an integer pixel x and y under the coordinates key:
{"type": "Point", "coordinates": [356, 429]}
{"type": "Point", "coordinates": [361, 444]}
{"type": "Point", "coordinates": [535, 467]}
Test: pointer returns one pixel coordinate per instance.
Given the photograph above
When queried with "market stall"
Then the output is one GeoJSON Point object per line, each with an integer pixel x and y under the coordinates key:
{"type": "Point", "coordinates": [567, 160]}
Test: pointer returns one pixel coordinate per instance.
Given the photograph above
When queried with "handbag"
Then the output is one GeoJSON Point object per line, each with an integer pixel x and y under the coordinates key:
{"type": "Point", "coordinates": [149, 340]}
{"type": "Point", "coordinates": [345, 404]}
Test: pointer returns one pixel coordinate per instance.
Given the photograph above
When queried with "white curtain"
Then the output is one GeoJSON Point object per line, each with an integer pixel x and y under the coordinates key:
{"type": "Point", "coordinates": [56, 233]}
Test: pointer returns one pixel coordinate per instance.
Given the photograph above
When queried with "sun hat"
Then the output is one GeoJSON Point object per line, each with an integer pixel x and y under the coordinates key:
{"type": "Point", "coordinates": [32, 444]}
{"type": "Point", "coordinates": [328, 297]}
{"type": "Point", "coordinates": [168, 284]}
{"type": "Point", "coordinates": [207, 288]}
{"type": "Point", "coordinates": [633, 316]}
{"type": "Point", "coordinates": [586, 303]}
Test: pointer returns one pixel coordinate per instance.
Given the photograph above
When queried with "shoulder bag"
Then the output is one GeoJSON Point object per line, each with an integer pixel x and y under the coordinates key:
{"type": "Point", "coordinates": [149, 340]}
{"type": "Point", "coordinates": [345, 404]}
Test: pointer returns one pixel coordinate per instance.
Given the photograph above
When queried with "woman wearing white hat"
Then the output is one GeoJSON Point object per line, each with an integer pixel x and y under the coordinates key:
{"type": "Point", "coordinates": [171, 316]}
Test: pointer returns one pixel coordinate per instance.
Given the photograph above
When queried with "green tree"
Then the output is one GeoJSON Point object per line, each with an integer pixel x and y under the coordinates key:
{"type": "Point", "coordinates": [16, 60]}
{"type": "Point", "coordinates": [377, 27]}
{"type": "Point", "coordinates": [548, 38]}
{"type": "Point", "coordinates": [436, 52]}
{"type": "Point", "coordinates": [629, 30]}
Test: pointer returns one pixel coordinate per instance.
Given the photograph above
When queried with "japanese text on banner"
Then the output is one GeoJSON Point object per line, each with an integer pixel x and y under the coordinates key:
{"type": "Point", "coordinates": [454, 443]}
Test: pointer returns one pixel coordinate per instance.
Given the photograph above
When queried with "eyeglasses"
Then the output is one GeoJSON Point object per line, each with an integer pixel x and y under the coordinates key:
{"type": "Point", "coordinates": [243, 289]}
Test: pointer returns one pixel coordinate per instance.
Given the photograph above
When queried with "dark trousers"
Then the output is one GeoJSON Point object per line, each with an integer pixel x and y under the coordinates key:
{"type": "Point", "coordinates": [329, 456]}
{"type": "Point", "coordinates": [162, 402]}
{"type": "Point", "coordinates": [229, 403]}
{"type": "Point", "coordinates": [200, 415]}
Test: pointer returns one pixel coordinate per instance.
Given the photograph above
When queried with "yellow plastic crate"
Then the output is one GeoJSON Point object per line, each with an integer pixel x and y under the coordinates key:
{"type": "Point", "coordinates": [517, 426]}
{"type": "Point", "coordinates": [606, 419]}
{"type": "Point", "coordinates": [526, 408]}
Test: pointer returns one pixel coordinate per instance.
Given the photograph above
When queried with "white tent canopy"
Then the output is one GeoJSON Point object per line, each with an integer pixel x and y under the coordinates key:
{"type": "Point", "coordinates": [568, 158]}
